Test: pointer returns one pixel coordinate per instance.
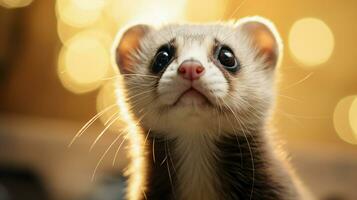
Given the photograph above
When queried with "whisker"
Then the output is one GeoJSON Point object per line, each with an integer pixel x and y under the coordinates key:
{"type": "Point", "coordinates": [163, 161]}
{"type": "Point", "coordinates": [147, 135]}
{"type": "Point", "coordinates": [307, 117]}
{"type": "Point", "coordinates": [237, 9]}
{"type": "Point", "coordinates": [290, 98]}
{"type": "Point", "coordinates": [168, 167]}
{"type": "Point", "coordinates": [141, 93]}
{"type": "Point", "coordinates": [89, 123]}
{"type": "Point", "coordinates": [102, 157]}
{"type": "Point", "coordinates": [239, 145]}
{"type": "Point", "coordinates": [153, 150]}
{"type": "Point", "coordinates": [289, 117]}
{"type": "Point", "coordinates": [299, 82]}
{"type": "Point", "coordinates": [102, 133]}
{"type": "Point", "coordinates": [170, 157]}
{"type": "Point", "coordinates": [117, 151]}
{"type": "Point", "coordinates": [143, 191]}
{"type": "Point", "coordinates": [250, 150]}
{"type": "Point", "coordinates": [146, 84]}
{"type": "Point", "coordinates": [110, 118]}
{"type": "Point", "coordinates": [143, 75]}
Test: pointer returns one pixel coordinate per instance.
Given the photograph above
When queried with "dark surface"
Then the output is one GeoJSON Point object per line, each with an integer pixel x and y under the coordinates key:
{"type": "Point", "coordinates": [20, 184]}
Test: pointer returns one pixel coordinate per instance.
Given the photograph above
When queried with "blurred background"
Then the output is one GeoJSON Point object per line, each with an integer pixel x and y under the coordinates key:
{"type": "Point", "coordinates": [56, 75]}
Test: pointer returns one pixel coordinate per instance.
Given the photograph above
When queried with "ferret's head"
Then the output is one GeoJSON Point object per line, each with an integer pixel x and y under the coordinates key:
{"type": "Point", "coordinates": [183, 79]}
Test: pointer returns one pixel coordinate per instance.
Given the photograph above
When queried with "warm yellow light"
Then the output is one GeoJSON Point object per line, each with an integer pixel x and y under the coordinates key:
{"type": "Point", "coordinates": [83, 63]}
{"type": "Point", "coordinates": [137, 167]}
{"type": "Point", "coordinates": [353, 117]}
{"type": "Point", "coordinates": [311, 42]}
{"type": "Point", "coordinates": [106, 98]}
{"type": "Point", "coordinates": [90, 4]}
{"type": "Point", "coordinates": [344, 119]}
{"type": "Point", "coordinates": [103, 27]}
{"type": "Point", "coordinates": [65, 31]}
{"type": "Point", "coordinates": [205, 10]}
{"type": "Point", "coordinates": [78, 14]}
{"type": "Point", "coordinates": [15, 3]}
{"type": "Point", "coordinates": [153, 12]}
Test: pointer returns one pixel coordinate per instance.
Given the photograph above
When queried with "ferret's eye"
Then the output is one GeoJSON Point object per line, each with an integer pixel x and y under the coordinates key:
{"type": "Point", "coordinates": [226, 57]}
{"type": "Point", "coordinates": [163, 58]}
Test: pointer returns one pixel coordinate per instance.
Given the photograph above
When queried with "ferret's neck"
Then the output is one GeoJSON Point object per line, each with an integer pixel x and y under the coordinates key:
{"type": "Point", "coordinates": [233, 166]}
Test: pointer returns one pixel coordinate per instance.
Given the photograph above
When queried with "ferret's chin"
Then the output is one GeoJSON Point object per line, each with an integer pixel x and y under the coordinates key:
{"type": "Point", "coordinates": [192, 102]}
{"type": "Point", "coordinates": [192, 98]}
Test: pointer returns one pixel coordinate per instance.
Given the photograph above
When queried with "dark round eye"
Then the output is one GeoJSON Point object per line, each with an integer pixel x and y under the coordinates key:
{"type": "Point", "coordinates": [226, 57]}
{"type": "Point", "coordinates": [162, 58]}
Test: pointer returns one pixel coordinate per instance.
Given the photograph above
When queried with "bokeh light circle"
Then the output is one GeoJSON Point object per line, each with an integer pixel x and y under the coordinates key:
{"type": "Point", "coordinates": [311, 42]}
{"type": "Point", "coordinates": [15, 3]}
{"type": "Point", "coordinates": [76, 15]}
{"type": "Point", "coordinates": [344, 119]}
{"type": "Point", "coordinates": [353, 117]}
{"type": "Point", "coordinates": [83, 63]}
{"type": "Point", "coordinates": [102, 27]}
{"type": "Point", "coordinates": [65, 31]}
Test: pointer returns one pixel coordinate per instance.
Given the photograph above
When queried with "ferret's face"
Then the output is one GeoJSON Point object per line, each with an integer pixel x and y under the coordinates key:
{"type": "Point", "coordinates": [182, 79]}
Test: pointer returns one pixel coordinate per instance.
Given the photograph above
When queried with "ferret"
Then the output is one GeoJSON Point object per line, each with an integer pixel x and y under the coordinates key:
{"type": "Point", "coordinates": [202, 95]}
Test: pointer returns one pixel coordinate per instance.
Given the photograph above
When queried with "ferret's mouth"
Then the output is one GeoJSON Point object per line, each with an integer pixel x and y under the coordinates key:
{"type": "Point", "coordinates": [192, 97]}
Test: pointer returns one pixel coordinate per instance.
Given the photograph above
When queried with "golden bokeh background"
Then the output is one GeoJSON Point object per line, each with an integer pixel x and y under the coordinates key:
{"type": "Point", "coordinates": [55, 70]}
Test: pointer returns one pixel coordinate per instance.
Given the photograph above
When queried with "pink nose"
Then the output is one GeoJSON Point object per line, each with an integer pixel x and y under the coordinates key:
{"type": "Point", "coordinates": [191, 70]}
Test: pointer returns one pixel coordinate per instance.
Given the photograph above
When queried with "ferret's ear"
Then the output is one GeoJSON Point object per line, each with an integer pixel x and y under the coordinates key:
{"type": "Point", "coordinates": [129, 43]}
{"type": "Point", "coordinates": [264, 37]}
